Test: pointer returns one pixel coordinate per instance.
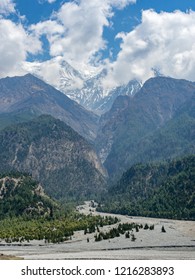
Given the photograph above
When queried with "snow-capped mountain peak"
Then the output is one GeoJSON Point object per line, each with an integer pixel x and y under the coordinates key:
{"type": "Point", "coordinates": [87, 90]}
{"type": "Point", "coordinates": [70, 78]}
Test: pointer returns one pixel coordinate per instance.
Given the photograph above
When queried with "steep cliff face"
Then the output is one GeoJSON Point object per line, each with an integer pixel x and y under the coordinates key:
{"type": "Point", "coordinates": [32, 96]}
{"type": "Point", "coordinates": [55, 155]}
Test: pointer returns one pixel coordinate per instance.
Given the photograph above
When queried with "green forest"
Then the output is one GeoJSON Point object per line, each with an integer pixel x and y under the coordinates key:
{"type": "Point", "coordinates": [155, 189]}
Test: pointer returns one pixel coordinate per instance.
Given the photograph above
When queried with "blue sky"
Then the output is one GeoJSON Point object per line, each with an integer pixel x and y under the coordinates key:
{"type": "Point", "coordinates": [128, 37]}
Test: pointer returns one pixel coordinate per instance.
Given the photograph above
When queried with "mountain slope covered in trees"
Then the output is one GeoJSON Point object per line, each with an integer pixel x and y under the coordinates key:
{"type": "Point", "coordinates": [158, 119]}
{"type": "Point", "coordinates": [56, 156]}
{"type": "Point", "coordinates": [157, 190]}
{"type": "Point", "coordinates": [174, 139]}
{"type": "Point", "coordinates": [21, 195]}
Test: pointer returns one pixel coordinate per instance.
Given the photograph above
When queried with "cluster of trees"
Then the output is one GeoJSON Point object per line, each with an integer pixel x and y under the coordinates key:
{"type": "Point", "coordinates": [126, 229]}
{"type": "Point", "coordinates": [100, 222]}
{"type": "Point", "coordinates": [27, 213]}
{"type": "Point", "coordinates": [52, 230]}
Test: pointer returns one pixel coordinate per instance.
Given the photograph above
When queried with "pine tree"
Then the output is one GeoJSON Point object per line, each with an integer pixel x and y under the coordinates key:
{"type": "Point", "coordinates": [163, 229]}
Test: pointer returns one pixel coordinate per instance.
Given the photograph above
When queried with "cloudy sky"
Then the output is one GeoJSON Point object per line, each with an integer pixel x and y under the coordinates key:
{"type": "Point", "coordinates": [128, 37]}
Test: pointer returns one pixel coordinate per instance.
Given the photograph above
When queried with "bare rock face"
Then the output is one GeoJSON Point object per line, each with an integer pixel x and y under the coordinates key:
{"type": "Point", "coordinates": [55, 155]}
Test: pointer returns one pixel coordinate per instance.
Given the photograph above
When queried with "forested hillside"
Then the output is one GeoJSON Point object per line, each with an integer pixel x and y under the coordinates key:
{"type": "Point", "coordinates": [158, 190]}
{"type": "Point", "coordinates": [20, 195]}
{"type": "Point", "coordinates": [56, 156]}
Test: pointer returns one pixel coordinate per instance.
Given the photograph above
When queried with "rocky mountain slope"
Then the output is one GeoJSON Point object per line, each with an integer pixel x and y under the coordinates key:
{"type": "Point", "coordinates": [171, 140]}
{"type": "Point", "coordinates": [56, 156]}
{"type": "Point", "coordinates": [133, 127]}
{"type": "Point", "coordinates": [30, 96]}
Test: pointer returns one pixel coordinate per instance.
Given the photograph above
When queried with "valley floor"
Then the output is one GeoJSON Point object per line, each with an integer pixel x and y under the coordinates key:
{"type": "Point", "coordinates": [178, 242]}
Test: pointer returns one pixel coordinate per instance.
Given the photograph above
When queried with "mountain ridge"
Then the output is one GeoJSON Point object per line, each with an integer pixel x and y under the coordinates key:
{"type": "Point", "coordinates": [130, 120]}
{"type": "Point", "coordinates": [88, 90]}
{"type": "Point", "coordinates": [28, 93]}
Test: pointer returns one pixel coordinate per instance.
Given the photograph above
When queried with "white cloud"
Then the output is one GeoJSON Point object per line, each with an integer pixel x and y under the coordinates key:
{"type": "Point", "coordinates": [49, 28]}
{"type": "Point", "coordinates": [76, 30]}
{"type": "Point", "coordinates": [48, 70]}
{"type": "Point", "coordinates": [120, 4]}
{"type": "Point", "coordinates": [83, 28]}
{"type": "Point", "coordinates": [51, 70]}
{"type": "Point", "coordinates": [15, 44]}
{"type": "Point", "coordinates": [165, 41]}
{"type": "Point", "coordinates": [75, 34]}
{"type": "Point", "coordinates": [49, 1]}
{"type": "Point", "coordinates": [7, 7]}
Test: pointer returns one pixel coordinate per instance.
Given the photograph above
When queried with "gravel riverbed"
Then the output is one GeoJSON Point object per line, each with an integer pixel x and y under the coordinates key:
{"type": "Point", "coordinates": [178, 242]}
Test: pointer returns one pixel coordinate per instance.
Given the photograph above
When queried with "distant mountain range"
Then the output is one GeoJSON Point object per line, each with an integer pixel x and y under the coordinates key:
{"type": "Point", "coordinates": [95, 98]}
{"type": "Point", "coordinates": [144, 126]}
{"type": "Point", "coordinates": [88, 90]}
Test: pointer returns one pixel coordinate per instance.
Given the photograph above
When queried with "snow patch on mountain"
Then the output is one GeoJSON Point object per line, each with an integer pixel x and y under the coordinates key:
{"type": "Point", "coordinates": [86, 88]}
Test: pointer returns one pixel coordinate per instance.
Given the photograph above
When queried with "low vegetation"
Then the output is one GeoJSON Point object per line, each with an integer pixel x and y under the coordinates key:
{"type": "Point", "coordinates": [51, 230]}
